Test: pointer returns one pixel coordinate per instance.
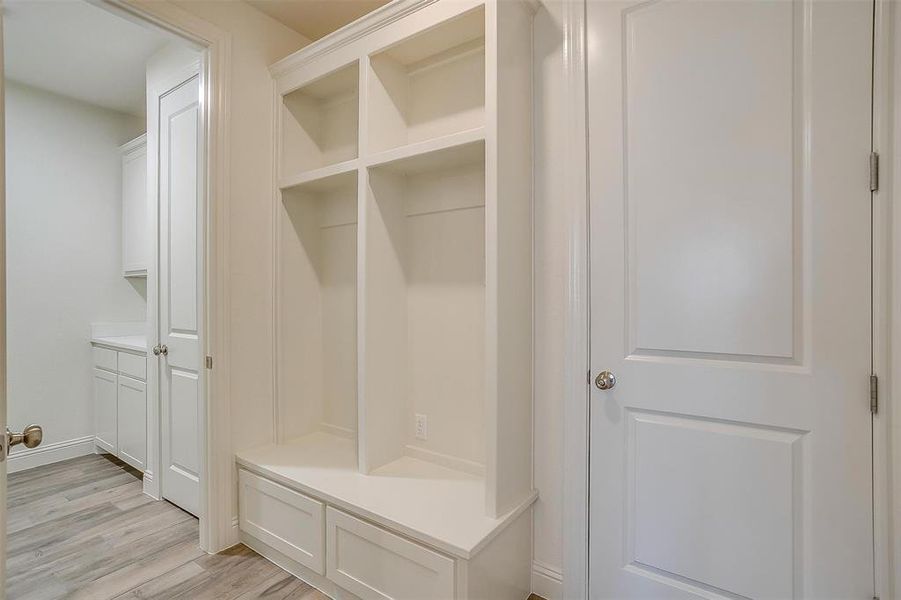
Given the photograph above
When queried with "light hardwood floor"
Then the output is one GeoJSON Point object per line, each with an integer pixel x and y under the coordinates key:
{"type": "Point", "coordinates": [83, 529]}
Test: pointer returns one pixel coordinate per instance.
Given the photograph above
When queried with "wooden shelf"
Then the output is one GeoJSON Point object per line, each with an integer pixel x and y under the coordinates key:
{"type": "Point", "coordinates": [429, 84]}
{"type": "Point", "coordinates": [450, 150]}
{"type": "Point", "coordinates": [323, 178]}
{"type": "Point", "coordinates": [424, 501]}
{"type": "Point", "coordinates": [318, 122]}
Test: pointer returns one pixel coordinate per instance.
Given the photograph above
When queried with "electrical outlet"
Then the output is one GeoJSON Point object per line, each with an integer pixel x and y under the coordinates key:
{"type": "Point", "coordinates": [422, 427]}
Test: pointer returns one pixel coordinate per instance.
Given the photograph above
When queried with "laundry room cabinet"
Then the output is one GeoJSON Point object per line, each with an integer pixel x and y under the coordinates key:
{"type": "Point", "coordinates": [120, 404]}
{"type": "Point", "coordinates": [403, 289]}
{"type": "Point", "coordinates": [135, 227]}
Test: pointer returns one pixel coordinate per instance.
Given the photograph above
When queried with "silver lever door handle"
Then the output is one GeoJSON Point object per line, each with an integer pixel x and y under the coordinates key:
{"type": "Point", "coordinates": [31, 436]}
{"type": "Point", "coordinates": [161, 350]}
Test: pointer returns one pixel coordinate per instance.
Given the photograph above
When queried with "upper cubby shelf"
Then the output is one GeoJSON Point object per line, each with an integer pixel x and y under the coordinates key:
{"type": "Point", "coordinates": [429, 85]}
{"type": "Point", "coordinates": [319, 123]}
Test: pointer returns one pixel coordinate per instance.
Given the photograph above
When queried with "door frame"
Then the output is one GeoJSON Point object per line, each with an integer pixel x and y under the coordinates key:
{"type": "Point", "coordinates": [217, 527]}
{"type": "Point", "coordinates": [572, 122]}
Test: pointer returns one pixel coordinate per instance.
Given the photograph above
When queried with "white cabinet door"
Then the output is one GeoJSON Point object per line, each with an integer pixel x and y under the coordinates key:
{"type": "Point", "coordinates": [730, 296]}
{"type": "Point", "coordinates": [178, 294]}
{"type": "Point", "coordinates": [135, 232]}
{"type": "Point", "coordinates": [105, 411]}
{"type": "Point", "coordinates": [132, 421]}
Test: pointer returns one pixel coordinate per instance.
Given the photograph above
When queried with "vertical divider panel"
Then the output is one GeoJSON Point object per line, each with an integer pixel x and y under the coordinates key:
{"type": "Point", "coordinates": [508, 147]}
{"type": "Point", "coordinates": [492, 408]}
{"type": "Point", "coordinates": [362, 263]}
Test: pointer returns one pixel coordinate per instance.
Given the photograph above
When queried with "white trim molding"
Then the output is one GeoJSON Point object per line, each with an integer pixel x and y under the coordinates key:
{"type": "Point", "coordinates": [21, 460]}
{"type": "Point", "coordinates": [547, 581]}
{"type": "Point", "coordinates": [886, 228]}
{"type": "Point", "coordinates": [217, 466]}
{"type": "Point", "coordinates": [575, 203]}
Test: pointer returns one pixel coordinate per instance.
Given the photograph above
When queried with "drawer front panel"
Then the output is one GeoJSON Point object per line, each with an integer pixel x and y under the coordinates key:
{"type": "Point", "coordinates": [373, 563]}
{"type": "Point", "coordinates": [105, 359]}
{"type": "Point", "coordinates": [284, 519]}
{"type": "Point", "coordinates": [133, 365]}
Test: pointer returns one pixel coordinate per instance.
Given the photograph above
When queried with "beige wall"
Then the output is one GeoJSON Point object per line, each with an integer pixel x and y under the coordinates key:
{"type": "Point", "coordinates": [256, 42]}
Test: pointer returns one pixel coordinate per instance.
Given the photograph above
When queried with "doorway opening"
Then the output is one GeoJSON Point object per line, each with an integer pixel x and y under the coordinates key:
{"type": "Point", "coordinates": [105, 188]}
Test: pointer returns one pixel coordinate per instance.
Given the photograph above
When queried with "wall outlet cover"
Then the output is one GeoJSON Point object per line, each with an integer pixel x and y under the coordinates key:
{"type": "Point", "coordinates": [422, 427]}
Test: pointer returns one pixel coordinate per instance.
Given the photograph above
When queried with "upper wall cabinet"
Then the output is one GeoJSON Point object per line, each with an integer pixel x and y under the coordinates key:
{"type": "Point", "coordinates": [135, 233]}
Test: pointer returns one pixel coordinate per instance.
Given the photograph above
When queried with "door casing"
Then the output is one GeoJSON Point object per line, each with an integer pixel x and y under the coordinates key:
{"type": "Point", "coordinates": [217, 482]}
{"type": "Point", "coordinates": [571, 120]}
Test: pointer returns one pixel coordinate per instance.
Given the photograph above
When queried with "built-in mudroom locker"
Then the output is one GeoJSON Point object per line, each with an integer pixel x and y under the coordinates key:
{"type": "Point", "coordinates": [401, 466]}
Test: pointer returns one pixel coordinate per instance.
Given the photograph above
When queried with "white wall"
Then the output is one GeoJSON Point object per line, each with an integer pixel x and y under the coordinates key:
{"type": "Point", "coordinates": [550, 287]}
{"type": "Point", "coordinates": [257, 41]}
{"type": "Point", "coordinates": [64, 194]}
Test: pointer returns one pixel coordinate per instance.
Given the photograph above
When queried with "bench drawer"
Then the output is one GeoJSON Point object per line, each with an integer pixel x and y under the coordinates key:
{"type": "Point", "coordinates": [373, 563]}
{"type": "Point", "coordinates": [282, 518]}
{"type": "Point", "coordinates": [133, 365]}
{"type": "Point", "coordinates": [105, 359]}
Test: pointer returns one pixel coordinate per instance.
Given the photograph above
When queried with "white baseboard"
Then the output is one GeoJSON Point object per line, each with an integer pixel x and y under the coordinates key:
{"type": "Point", "coordinates": [547, 581]}
{"type": "Point", "coordinates": [21, 460]}
{"type": "Point", "coordinates": [446, 460]}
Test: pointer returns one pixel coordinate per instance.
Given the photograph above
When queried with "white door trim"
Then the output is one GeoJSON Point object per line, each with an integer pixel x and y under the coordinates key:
{"type": "Point", "coordinates": [886, 314]}
{"type": "Point", "coordinates": [217, 530]}
{"type": "Point", "coordinates": [886, 287]}
{"type": "Point", "coordinates": [574, 166]}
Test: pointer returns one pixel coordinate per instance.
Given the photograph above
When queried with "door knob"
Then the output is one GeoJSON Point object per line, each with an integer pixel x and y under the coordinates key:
{"type": "Point", "coordinates": [31, 436]}
{"type": "Point", "coordinates": [605, 380]}
{"type": "Point", "coordinates": [161, 349]}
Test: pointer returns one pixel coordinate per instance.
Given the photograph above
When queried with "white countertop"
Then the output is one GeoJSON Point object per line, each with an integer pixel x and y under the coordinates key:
{"type": "Point", "coordinates": [129, 343]}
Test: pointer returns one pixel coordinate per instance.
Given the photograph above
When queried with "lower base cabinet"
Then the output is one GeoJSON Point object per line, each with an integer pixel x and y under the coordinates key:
{"type": "Point", "coordinates": [120, 405]}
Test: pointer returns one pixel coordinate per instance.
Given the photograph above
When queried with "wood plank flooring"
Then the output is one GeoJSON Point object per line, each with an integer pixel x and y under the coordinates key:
{"type": "Point", "coordinates": [83, 529]}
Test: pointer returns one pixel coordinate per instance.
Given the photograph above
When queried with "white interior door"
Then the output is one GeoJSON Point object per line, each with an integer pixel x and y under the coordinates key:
{"type": "Point", "coordinates": [730, 297]}
{"type": "Point", "coordinates": [178, 294]}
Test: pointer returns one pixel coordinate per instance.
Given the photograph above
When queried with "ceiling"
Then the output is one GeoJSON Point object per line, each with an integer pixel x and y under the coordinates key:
{"type": "Point", "coordinates": [76, 49]}
{"type": "Point", "coordinates": [316, 18]}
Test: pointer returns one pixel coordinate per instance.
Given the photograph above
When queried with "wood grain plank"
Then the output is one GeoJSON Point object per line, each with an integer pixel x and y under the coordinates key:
{"type": "Point", "coordinates": [83, 529]}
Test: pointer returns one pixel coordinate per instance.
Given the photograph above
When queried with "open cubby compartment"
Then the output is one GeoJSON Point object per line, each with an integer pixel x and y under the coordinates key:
{"type": "Point", "coordinates": [425, 311]}
{"type": "Point", "coordinates": [429, 85]}
{"type": "Point", "coordinates": [317, 308]}
{"type": "Point", "coordinates": [319, 122]}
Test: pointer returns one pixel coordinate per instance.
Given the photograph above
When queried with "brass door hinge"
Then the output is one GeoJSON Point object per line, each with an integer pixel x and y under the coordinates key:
{"type": "Point", "coordinates": [209, 362]}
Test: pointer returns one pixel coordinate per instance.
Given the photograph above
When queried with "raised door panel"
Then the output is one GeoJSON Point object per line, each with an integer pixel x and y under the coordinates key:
{"type": "Point", "coordinates": [710, 148]}
{"type": "Point", "coordinates": [105, 411]}
{"type": "Point", "coordinates": [132, 421]}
